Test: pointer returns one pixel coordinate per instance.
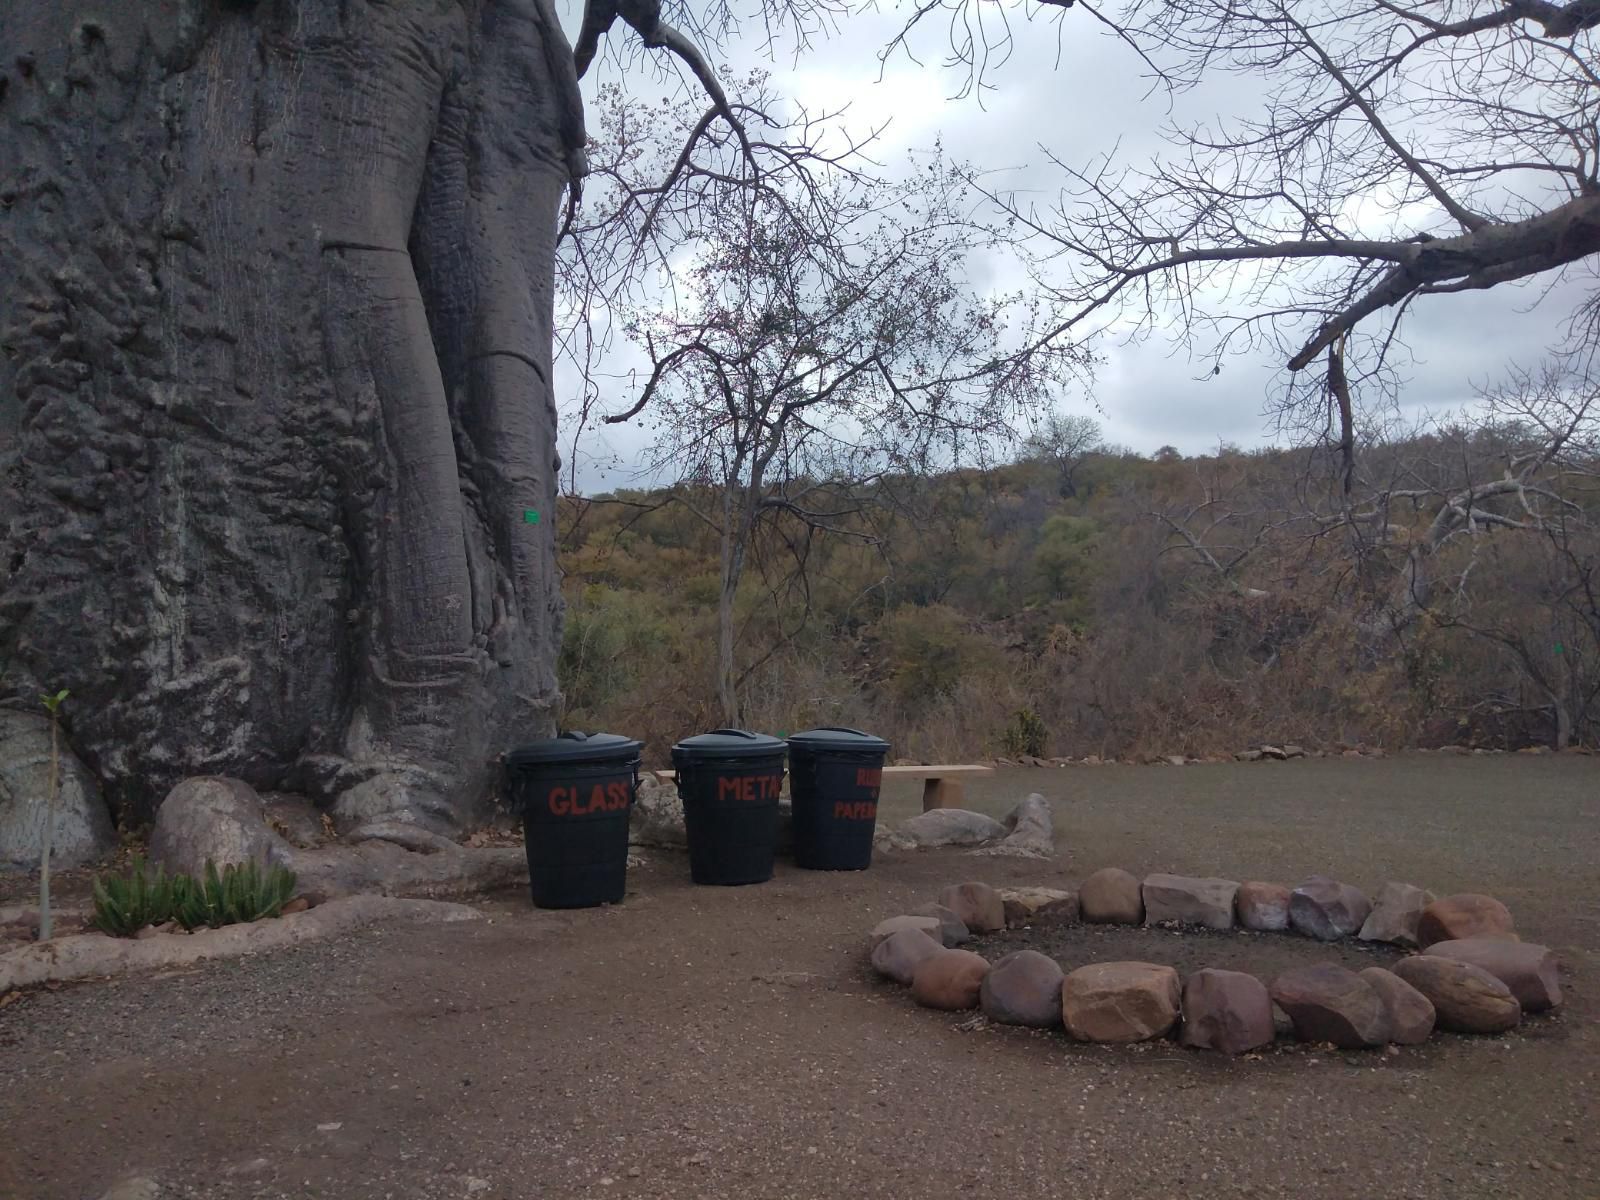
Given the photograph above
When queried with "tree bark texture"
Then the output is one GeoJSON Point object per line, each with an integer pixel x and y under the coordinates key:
{"type": "Point", "coordinates": [277, 439]}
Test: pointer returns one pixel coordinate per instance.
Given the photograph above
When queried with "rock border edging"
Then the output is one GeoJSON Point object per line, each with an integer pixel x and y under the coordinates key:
{"type": "Point", "coordinates": [97, 955]}
{"type": "Point", "coordinates": [1473, 974]}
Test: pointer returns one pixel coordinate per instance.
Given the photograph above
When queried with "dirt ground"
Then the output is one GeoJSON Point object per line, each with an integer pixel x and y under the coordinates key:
{"type": "Point", "coordinates": [698, 1042]}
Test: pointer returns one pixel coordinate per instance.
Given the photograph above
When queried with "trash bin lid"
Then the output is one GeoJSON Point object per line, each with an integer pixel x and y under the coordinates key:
{"type": "Point", "coordinates": [838, 737]}
{"type": "Point", "coordinates": [728, 743]}
{"type": "Point", "coordinates": [574, 747]}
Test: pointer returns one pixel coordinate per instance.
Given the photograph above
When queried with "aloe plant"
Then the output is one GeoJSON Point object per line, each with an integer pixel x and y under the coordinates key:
{"type": "Point", "coordinates": [234, 895]}
{"type": "Point", "coordinates": [124, 905]}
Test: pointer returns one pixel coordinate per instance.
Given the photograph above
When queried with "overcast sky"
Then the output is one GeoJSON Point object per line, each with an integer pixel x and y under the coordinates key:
{"type": "Point", "coordinates": [1084, 95]}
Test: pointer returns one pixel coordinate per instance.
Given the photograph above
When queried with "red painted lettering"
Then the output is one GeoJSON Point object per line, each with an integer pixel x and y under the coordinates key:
{"type": "Point", "coordinates": [855, 810]}
{"type": "Point", "coordinates": [560, 805]}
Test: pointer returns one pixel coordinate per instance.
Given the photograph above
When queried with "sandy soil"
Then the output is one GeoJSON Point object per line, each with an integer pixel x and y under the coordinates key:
{"type": "Point", "coordinates": [700, 1042]}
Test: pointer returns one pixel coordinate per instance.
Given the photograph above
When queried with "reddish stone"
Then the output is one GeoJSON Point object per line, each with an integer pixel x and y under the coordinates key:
{"type": "Point", "coordinates": [1395, 914]}
{"type": "Point", "coordinates": [950, 979]}
{"type": "Point", "coordinates": [1326, 909]}
{"type": "Point", "coordinates": [1263, 907]}
{"type": "Point", "coordinates": [1182, 900]}
{"type": "Point", "coordinates": [1466, 998]}
{"type": "Point", "coordinates": [978, 906]}
{"type": "Point", "coordinates": [1111, 896]}
{"type": "Point", "coordinates": [1330, 1004]}
{"type": "Point", "coordinates": [1467, 915]}
{"type": "Point", "coordinates": [883, 929]}
{"type": "Point", "coordinates": [1227, 1011]}
{"type": "Point", "coordinates": [953, 930]}
{"type": "Point", "coordinates": [1023, 988]}
{"type": "Point", "coordinates": [1038, 906]}
{"type": "Point", "coordinates": [1530, 971]}
{"type": "Point", "coordinates": [1409, 1012]}
{"type": "Point", "coordinates": [1120, 1002]}
{"type": "Point", "coordinates": [899, 955]}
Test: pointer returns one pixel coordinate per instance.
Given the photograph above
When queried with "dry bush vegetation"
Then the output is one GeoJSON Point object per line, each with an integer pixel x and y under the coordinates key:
{"type": "Point", "coordinates": [1122, 606]}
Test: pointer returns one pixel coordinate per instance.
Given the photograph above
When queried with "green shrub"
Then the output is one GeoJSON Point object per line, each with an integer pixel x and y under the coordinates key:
{"type": "Point", "coordinates": [1026, 734]}
{"type": "Point", "coordinates": [147, 896]}
{"type": "Point", "coordinates": [928, 651]}
{"type": "Point", "coordinates": [123, 906]}
{"type": "Point", "coordinates": [236, 895]}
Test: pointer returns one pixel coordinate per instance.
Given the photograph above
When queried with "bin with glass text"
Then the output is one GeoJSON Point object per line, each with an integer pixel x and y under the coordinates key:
{"type": "Point", "coordinates": [729, 781]}
{"type": "Point", "coordinates": [834, 777]}
{"type": "Point", "coordinates": [575, 793]}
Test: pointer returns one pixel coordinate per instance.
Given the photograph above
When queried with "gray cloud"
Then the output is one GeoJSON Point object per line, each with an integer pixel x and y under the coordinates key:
{"type": "Point", "coordinates": [1082, 96]}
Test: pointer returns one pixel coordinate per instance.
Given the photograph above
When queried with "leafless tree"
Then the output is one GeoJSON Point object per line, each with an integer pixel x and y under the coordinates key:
{"type": "Point", "coordinates": [1488, 529]}
{"type": "Point", "coordinates": [816, 347]}
{"type": "Point", "coordinates": [1065, 441]}
{"type": "Point", "coordinates": [1402, 149]}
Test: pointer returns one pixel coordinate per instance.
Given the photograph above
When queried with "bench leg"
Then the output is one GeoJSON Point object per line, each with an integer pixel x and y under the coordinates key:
{"type": "Point", "coordinates": [943, 793]}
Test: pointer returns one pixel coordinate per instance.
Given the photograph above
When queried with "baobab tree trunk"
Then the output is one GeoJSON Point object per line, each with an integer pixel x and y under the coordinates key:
{"type": "Point", "coordinates": [277, 440]}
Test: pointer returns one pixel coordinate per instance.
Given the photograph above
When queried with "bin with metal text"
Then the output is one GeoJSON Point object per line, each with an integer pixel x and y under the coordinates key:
{"type": "Point", "coordinates": [729, 780]}
{"type": "Point", "coordinates": [575, 793]}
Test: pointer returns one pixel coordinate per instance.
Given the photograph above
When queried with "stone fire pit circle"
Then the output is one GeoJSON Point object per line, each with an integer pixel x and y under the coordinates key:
{"type": "Point", "coordinates": [1469, 972]}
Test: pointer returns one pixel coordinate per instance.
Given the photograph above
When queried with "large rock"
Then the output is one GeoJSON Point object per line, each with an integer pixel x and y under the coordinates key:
{"type": "Point", "coordinates": [1227, 1011]}
{"type": "Point", "coordinates": [1038, 906]}
{"type": "Point", "coordinates": [1207, 903]}
{"type": "Point", "coordinates": [1409, 1013]}
{"type": "Point", "coordinates": [297, 819]}
{"type": "Point", "coordinates": [1263, 907]}
{"type": "Point", "coordinates": [1395, 914]}
{"type": "Point", "coordinates": [883, 929]}
{"type": "Point", "coordinates": [898, 956]}
{"type": "Point", "coordinates": [953, 930]}
{"type": "Point", "coordinates": [1467, 915]}
{"type": "Point", "coordinates": [1120, 1001]}
{"type": "Point", "coordinates": [81, 831]}
{"type": "Point", "coordinates": [657, 816]}
{"type": "Point", "coordinates": [1530, 971]}
{"type": "Point", "coordinates": [1030, 831]}
{"type": "Point", "coordinates": [1330, 1004]}
{"type": "Point", "coordinates": [216, 819]}
{"type": "Point", "coordinates": [1023, 988]}
{"type": "Point", "coordinates": [951, 980]}
{"type": "Point", "coordinates": [977, 905]}
{"type": "Point", "coordinates": [1467, 999]}
{"type": "Point", "coordinates": [945, 827]}
{"type": "Point", "coordinates": [1326, 909]}
{"type": "Point", "coordinates": [398, 859]}
{"type": "Point", "coordinates": [1111, 896]}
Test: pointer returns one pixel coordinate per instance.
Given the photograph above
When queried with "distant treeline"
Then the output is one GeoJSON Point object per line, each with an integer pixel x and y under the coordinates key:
{"type": "Point", "coordinates": [1094, 601]}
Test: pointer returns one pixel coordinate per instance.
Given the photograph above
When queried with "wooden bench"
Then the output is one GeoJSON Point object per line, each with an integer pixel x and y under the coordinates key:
{"type": "Point", "coordinates": [943, 787]}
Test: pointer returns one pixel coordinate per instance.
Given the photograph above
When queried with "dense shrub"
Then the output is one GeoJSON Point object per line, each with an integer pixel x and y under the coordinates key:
{"type": "Point", "coordinates": [237, 894]}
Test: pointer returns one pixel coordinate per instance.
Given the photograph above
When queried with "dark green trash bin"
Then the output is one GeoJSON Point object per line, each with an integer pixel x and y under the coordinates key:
{"type": "Point", "coordinates": [575, 793]}
{"type": "Point", "coordinates": [729, 781]}
{"type": "Point", "coordinates": [834, 778]}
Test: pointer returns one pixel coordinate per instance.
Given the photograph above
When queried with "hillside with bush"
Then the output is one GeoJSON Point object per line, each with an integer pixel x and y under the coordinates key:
{"type": "Point", "coordinates": [1087, 600]}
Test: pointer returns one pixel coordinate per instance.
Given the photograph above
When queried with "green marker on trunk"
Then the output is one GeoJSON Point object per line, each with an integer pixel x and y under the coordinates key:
{"type": "Point", "coordinates": [530, 516]}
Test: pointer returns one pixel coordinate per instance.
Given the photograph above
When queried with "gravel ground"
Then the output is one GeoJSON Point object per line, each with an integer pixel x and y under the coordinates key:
{"type": "Point", "coordinates": [700, 1042]}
